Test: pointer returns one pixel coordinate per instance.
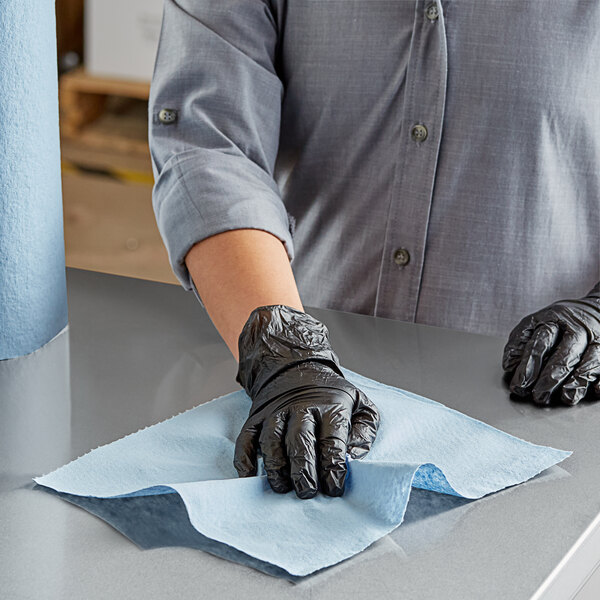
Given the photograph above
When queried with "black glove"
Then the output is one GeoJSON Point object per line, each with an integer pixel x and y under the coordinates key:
{"type": "Point", "coordinates": [557, 346]}
{"type": "Point", "coordinates": [305, 414]}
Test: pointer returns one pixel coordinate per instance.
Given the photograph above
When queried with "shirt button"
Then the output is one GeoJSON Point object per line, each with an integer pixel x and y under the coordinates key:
{"type": "Point", "coordinates": [431, 12]}
{"type": "Point", "coordinates": [167, 115]}
{"type": "Point", "coordinates": [401, 257]}
{"type": "Point", "coordinates": [419, 133]}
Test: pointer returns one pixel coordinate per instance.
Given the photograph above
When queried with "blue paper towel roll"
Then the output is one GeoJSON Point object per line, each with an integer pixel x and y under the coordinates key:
{"type": "Point", "coordinates": [33, 295]}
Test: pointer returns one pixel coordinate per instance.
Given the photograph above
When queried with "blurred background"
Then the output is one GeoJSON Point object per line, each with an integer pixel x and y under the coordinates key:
{"type": "Point", "coordinates": [106, 51]}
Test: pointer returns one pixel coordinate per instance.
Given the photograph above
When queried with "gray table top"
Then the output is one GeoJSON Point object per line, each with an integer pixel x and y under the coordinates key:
{"type": "Point", "coordinates": [137, 352]}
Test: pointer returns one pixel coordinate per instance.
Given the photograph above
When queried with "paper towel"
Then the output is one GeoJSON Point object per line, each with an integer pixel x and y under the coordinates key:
{"type": "Point", "coordinates": [33, 298]}
{"type": "Point", "coordinates": [420, 443]}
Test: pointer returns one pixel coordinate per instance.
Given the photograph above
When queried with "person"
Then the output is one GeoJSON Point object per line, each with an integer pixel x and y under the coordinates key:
{"type": "Point", "coordinates": [431, 161]}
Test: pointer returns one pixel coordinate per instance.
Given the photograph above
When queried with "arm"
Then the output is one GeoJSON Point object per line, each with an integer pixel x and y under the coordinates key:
{"type": "Point", "coordinates": [227, 231]}
{"type": "Point", "coordinates": [237, 271]}
{"type": "Point", "coordinates": [213, 160]}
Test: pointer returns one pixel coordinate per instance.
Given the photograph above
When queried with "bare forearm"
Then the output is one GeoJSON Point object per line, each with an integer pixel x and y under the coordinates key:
{"type": "Point", "coordinates": [236, 271]}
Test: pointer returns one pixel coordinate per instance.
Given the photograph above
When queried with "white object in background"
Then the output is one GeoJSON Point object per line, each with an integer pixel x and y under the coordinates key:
{"type": "Point", "coordinates": [121, 37]}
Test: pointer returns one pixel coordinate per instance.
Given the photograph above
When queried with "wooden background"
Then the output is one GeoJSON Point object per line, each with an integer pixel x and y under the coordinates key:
{"type": "Point", "coordinates": [106, 170]}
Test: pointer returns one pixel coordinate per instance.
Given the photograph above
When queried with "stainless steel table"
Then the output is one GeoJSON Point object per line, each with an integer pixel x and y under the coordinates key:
{"type": "Point", "coordinates": [137, 352]}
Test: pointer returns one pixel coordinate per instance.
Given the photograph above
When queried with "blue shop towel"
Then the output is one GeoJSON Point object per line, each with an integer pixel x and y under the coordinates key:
{"type": "Point", "coordinates": [420, 443]}
{"type": "Point", "coordinates": [33, 288]}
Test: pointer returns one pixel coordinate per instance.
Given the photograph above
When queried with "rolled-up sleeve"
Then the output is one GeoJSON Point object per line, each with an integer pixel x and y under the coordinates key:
{"type": "Point", "coordinates": [213, 156]}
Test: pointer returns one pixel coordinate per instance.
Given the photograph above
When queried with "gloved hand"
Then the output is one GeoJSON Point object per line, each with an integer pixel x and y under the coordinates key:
{"type": "Point", "coordinates": [557, 346]}
{"type": "Point", "coordinates": [305, 415]}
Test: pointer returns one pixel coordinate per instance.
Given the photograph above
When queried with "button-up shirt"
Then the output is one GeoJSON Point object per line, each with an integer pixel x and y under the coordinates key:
{"type": "Point", "coordinates": [423, 160]}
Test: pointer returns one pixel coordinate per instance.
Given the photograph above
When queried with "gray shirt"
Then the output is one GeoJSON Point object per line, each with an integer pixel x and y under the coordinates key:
{"type": "Point", "coordinates": [435, 162]}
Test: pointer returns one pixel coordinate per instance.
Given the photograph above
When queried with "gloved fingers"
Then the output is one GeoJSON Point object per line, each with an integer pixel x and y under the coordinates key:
{"type": "Point", "coordinates": [561, 363]}
{"type": "Point", "coordinates": [272, 446]}
{"type": "Point", "coordinates": [333, 435]}
{"type": "Point", "coordinates": [517, 339]}
{"type": "Point", "coordinates": [246, 444]}
{"type": "Point", "coordinates": [597, 388]}
{"type": "Point", "coordinates": [583, 376]}
{"type": "Point", "coordinates": [541, 341]}
{"type": "Point", "coordinates": [300, 441]}
{"type": "Point", "coordinates": [365, 423]}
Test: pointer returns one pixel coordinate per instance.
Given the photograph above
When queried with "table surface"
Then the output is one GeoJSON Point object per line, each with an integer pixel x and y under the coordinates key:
{"type": "Point", "coordinates": [137, 352]}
